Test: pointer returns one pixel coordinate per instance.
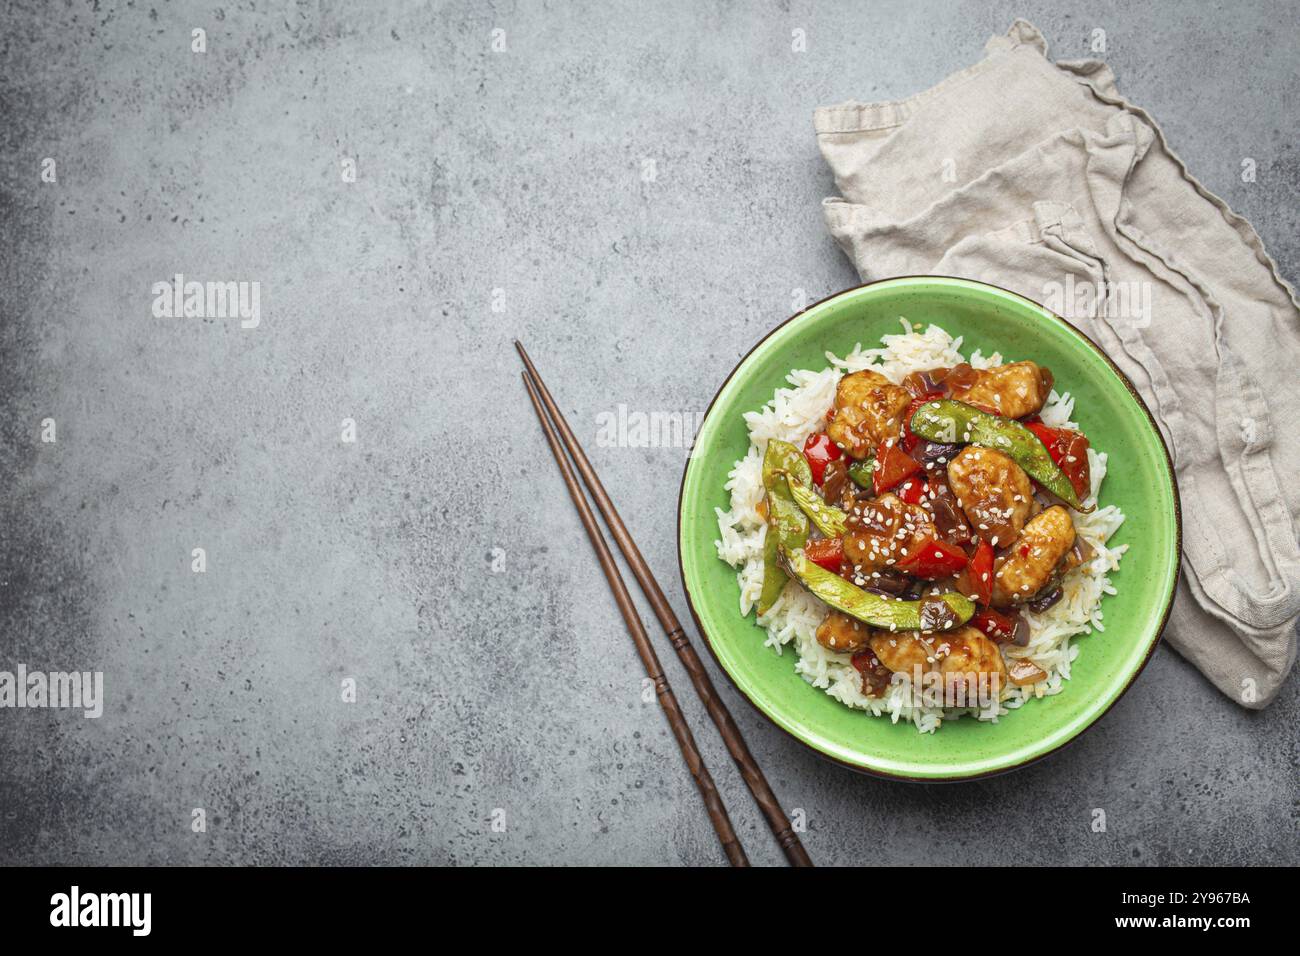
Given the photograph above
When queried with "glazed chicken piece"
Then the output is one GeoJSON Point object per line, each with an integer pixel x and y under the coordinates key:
{"type": "Point", "coordinates": [968, 651]}
{"type": "Point", "coordinates": [881, 531]}
{"type": "Point", "coordinates": [842, 634]}
{"type": "Point", "coordinates": [1033, 557]}
{"type": "Point", "coordinates": [993, 491]}
{"type": "Point", "coordinates": [868, 409]}
{"type": "Point", "coordinates": [964, 651]}
{"type": "Point", "coordinates": [1013, 391]}
{"type": "Point", "coordinates": [903, 651]}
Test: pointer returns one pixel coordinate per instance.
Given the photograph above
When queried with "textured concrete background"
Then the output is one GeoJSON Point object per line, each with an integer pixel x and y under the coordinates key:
{"type": "Point", "coordinates": [436, 559]}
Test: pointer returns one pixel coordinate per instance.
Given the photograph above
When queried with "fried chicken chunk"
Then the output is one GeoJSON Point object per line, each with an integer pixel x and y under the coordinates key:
{"type": "Point", "coordinates": [903, 651]}
{"type": "Point", "coordinates": [1013, 391]}
{"type": "Point", "coordinates": [992, 490]}
{"type": "Point", "coordinates": [965, 651]}
{"type": "Point", "coordinates": [968, 652]}
{"type": "Point", "coordinates": [878, 533]}
{"type": "Point", "coordinates": [868, 409]}
{"type": "Point", "coordinates": [842, 634]}
{"type": "Point", "coordinates": [1033, 557]}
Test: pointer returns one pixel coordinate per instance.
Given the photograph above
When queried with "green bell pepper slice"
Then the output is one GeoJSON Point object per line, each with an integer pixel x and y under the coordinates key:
{"type": "Point", "coordinates": [861, 473]}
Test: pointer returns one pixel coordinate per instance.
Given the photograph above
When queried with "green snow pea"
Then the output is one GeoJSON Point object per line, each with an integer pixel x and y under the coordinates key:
{"type": "Point", "coordinates": [828, 518]}
{"type": "Point", "coordinates": [787, 526]}
{"type": "Point", "coordinates": [938, 613]}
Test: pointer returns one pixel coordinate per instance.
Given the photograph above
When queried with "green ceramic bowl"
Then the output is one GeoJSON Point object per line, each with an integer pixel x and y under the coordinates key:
{"type": "Point", "coordinates": [1140, 480]}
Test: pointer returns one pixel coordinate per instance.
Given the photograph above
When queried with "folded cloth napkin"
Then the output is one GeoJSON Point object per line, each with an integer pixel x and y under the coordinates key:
{"type": "Point", "coordinates": [1040, 178]}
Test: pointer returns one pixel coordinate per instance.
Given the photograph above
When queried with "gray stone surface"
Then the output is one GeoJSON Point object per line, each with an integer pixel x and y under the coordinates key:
{"type": "Point", "coordinates": [486, 678]}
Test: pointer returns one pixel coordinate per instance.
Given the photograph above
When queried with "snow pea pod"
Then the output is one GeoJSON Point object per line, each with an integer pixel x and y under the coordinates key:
{"type": "Point", "coordinates": [828, 518]}
{"type": "Point", "coordinates": [787, 526]}
{"type": "Point", "coordinates": [938, 613]}
{"type": "Point", "coordinates": [951, 423]}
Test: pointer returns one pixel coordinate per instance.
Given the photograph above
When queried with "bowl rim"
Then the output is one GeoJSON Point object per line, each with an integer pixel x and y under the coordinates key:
{"type": "Point", "coordinates": [1164, 615]}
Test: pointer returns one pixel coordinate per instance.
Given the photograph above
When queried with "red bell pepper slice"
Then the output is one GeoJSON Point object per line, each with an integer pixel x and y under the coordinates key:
{"type": "Point", "coordinates": [892, 466]}
{"type": "Point", "coordinates": [1048, 436]}
{"type": "Point", "coordinates": [998, 627]}
{"type": "Point", "coordinates": [826, 552]}
{"type": "Point", "coordinates": [977, 581]}
{"type": "Point", "coordinates": [1069, 449]}
{"type": "Point", "coordinates": [1074, 462]}
{"type": "Point", "coordinates": [934, 559]}
{"type": "Point", "coordinates": [820, 452]}
{"type": "Point", "coordinates": [909, 440]}
{"type": "Point", "coordinates": [913, 490]}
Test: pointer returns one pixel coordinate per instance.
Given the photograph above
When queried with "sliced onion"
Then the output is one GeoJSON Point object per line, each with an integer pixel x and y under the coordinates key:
{"type": "Point", "coordinates": [961, 377]}
{"type": "Point", "coordinates": [948, 518]}
{"type": "Point", "coordinates": [1021, 636]}
{"type": "Point", "coordinates": [1046, 499]}
{"type": "Point", "coordinates": [1082, 550]}
{"type": "Point", "coordinates": [927, 383]}
{"type": "Point", "coordinates": [930, 451]}
{"type": "Point", "coordinates": [936, 615]}
{"type": "Point", "coordinates": [890, 583]}
{"type": "Point", "coordinates": [834, 479]}
{"type": "Point", "coordinates": [1042, 602]}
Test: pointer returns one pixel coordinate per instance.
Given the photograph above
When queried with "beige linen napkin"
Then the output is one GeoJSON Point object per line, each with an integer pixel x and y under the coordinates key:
{"type": "Point", "coordinates": [1039, 177]}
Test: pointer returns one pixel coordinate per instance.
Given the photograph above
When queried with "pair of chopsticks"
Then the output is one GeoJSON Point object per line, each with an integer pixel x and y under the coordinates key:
{"type": "Point", "coordinates": [786, 838]}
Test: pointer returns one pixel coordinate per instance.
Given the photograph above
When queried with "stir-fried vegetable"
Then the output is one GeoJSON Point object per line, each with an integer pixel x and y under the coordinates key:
{"type": "Point", "coordinates": [774, 577]}
{"type": "Point", "coordinates": [913, 490]}
{"type": "Point", "coordinates": [836, 480]}
{"type": "Point", "coordinates": [1024, 672]}
{"type": "Point", "coordinates": [1069, 449]}
{"type": "Point", "coordinates": [861, 471]}
{"type": "Point", "coordinates": [933, 560]}
{"type": "Point", "coordinates": [942, 612]}
{"type": "Point", "coordinates": [892, 466]}
{"type": "Point", "coordinates": [1002, 628]}
{"type": "Point", "coordinates": [829, 520]}
{"type": "Point", "coordinates": [827, 553]}
{"type": "Point", "coordinates": [953, 422]}
{"type": "Point", "coordinates": [876, 677]}
{"type": "Point", "coordinates": [787, 527]}
{"type": "Point", "coordinates": [820, 452]}
{"type": "Point", "coordinates": [977, 580]}
{"type": "Point", "coordinates": [910, 439]}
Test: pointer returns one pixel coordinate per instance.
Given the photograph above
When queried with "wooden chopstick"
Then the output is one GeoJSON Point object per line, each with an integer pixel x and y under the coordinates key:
{"type": "Point", "coordinates": [767, 801]}
{"type": "Point", "coordinates": [667, 700]}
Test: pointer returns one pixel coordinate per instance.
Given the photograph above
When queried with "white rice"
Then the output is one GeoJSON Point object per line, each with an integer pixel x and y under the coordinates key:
{"type": "Point", "coordinates": [796, 412]}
